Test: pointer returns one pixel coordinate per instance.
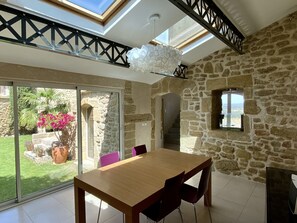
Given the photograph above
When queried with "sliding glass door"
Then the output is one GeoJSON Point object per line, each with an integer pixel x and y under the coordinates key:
{"type": "Point", "coordinates": [50, 133]}
{"type": "Point", "coordinates": [47, 142]}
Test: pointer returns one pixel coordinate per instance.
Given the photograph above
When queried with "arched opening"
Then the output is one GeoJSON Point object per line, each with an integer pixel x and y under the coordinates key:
{"type": "Point", "coordinates": [88, 131]}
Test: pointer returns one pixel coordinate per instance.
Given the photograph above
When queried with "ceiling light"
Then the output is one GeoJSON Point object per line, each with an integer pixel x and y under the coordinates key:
{"type": "Point", "coordinates": [160, 59]}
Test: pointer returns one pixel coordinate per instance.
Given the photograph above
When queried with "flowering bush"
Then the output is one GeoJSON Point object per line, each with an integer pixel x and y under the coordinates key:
{"type": "Point", "coordinates": [61, 124]}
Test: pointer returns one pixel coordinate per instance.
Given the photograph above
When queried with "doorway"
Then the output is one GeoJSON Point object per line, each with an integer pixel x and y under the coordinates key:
{"type": "Point", "coordinates": [171, 121]}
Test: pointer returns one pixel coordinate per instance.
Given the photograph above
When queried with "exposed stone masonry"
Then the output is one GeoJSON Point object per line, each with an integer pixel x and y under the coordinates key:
{"type": "Point", "coordinates": [105, 118]}
{"type": "Point", "coordinates": [267, 72]}
{"type": "Point", "coordinates": [5, 116]}
{"type": "Point", "coordinates": [130, 109]}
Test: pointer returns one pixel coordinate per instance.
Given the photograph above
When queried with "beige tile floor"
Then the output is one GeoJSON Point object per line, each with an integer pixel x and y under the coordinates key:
{"type": "Point", "coordinates": [235, 200]}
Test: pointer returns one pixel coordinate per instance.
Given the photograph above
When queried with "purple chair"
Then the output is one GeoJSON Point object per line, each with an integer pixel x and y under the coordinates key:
{"type": "Point", "coordinates": [109, 158]}
{"type": "Point", "coordinates": [193, 194]}
{"type": "Point", "coordinates": [169, 201]}
{"type": "Point", "coordinates": [136, 150]}
{"type": "Point", "coordinates": [105, 160]}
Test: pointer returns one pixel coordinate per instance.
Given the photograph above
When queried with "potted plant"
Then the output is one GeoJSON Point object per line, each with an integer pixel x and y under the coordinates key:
{"type": "Point", "coordinates": [63, 125]}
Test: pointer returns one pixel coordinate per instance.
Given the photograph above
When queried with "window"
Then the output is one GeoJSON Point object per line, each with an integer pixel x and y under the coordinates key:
{"type": "Point", "coordinates": [232, 108]}
{"type": "Point", "coordinates": [227, 109]}
{"type": "Point", "coordinates": [181, 34]}
{"type": "Point", "coordinates": [99, 10]}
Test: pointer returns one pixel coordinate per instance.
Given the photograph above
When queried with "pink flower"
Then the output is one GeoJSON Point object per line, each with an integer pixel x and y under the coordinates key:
{"type": "Point", "coordinates": [57, 122]}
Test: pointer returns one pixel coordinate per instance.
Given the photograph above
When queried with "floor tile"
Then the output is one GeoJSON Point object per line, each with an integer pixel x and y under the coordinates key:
{"type": "Point", "coordinates": [237, 190]}
{"type": "Point", "coordinates": [13, 215]}
{"type": "Point", "coordinates": [235, 200]}
{"type": "Point", "coordinates": [253, 211]}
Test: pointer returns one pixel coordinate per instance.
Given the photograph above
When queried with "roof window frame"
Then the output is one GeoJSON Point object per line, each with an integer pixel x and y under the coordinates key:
{"type": "Point", "coordinates": [102, 19]}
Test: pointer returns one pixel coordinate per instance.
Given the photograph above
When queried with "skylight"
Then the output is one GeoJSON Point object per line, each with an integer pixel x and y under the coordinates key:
{"type": "Point", "coordinates": [182, 33]}
{"type": "Point", "coordinates": [98, 7]}
{"type": "Point", "coordinates": [100, 10]}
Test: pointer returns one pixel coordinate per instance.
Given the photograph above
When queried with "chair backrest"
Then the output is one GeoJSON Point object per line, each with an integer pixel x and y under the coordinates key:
{"type": "Point", "coordinates": [203, 183]}
{"type": "Point", "coordinates": [171, 195]}
{"type": "Point", "coordinates": [109, 158]}
{"type": "Point", "coordinates": [136, 150]}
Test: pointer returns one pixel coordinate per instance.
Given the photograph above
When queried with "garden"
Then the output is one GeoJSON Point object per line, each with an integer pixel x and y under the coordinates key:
{"type": "Point", "coordinates": [34, 177]}
{"type": "Point", "coordinates": [47, 144]}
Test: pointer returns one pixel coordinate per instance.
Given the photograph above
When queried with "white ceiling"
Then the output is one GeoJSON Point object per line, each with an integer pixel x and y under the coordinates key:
{"type": "Point", "coordinates": [133, 29]}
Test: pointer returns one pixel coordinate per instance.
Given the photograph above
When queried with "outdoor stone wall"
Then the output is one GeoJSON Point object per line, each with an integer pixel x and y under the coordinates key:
{"type": "Point", "coordinates": [5, 116]}
{"type": "Point", "coordinates": [105, 119]}
{"type": "Point", "coordinates": [267, 72]}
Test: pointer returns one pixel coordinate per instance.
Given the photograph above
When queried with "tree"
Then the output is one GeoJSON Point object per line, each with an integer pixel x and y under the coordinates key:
{"type": "Point", "coordinates": [23, 106]}
{"type": "Point", "coordinates": [33, 101]}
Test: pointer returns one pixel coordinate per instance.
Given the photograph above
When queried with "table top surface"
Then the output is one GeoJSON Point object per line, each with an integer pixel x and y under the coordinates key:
{"type": "Point", "coordinates": [133, 180]}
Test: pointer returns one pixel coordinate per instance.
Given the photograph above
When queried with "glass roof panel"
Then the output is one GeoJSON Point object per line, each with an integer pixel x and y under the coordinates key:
{"type": "Point", "coordinates": [101, 10]}
{"type": "Point", "coordinates": [96, 6]}
{"type": "Point", "coordinates": [185, 30]}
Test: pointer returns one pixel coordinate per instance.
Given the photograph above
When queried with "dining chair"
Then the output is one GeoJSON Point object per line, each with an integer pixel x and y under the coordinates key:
{"type": "Point", "coordinates": [169, 201]}
{"type": "Point", "coordinates": [105, 160]}
{"type": "Point", "coordinates": [193, 195]}
{"type": "Point", "coordinates": [109, 158]}
{"type": "Point", "coordinates": [136, 150]}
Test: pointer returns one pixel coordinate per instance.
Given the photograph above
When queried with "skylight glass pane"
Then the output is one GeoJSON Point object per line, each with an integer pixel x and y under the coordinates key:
{"type": "Point", "coordinates": [96, 6]}
{"type": "Point", "coordinates": [180, 32]}
{"type": "Point", "coordinates": [164, 37]}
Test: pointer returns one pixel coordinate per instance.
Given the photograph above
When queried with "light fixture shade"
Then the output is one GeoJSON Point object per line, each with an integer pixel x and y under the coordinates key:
{"type": "Point", "coordinates": [157, 59]}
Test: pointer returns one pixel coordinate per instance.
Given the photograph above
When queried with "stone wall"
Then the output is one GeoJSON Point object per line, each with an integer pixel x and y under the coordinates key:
{"type": "Point", "coordinates": [267, 72]}
{"type": "Point", "coordinates": [105, 121]}
{"type": "Point", "coordinates": [5, 116]}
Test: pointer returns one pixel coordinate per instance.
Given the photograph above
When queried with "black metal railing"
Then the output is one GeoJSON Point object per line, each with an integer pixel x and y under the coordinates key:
{"type": "Point", "coordinates": [26, 29]}
{"type": "Point", "coordinates": [207, 14]}
{"type": "Point", "coordinates": [22, 28]}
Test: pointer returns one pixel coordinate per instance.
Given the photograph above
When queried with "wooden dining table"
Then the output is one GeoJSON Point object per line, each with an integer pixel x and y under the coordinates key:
{"type": "Point", "coordinates": [133, 184]}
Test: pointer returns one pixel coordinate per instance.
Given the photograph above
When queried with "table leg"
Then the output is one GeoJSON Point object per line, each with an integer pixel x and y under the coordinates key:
{"type": "Point", "coordinates": [207, 195]}
{"type": "Point", "coordinates": [80, 208]}
{"type": "Point", "coordinates": [132, 217]}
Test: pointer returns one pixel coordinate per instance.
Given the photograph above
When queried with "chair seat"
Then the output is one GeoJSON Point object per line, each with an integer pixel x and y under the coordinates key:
{"type": "Point", "coordinates": [189, 193]}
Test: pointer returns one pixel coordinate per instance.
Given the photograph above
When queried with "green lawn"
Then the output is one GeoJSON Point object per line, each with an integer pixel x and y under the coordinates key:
{"type": "Point", "coordinates": [34, 177]}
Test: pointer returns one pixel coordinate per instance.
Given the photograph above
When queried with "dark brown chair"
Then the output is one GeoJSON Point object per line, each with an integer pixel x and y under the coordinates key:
{"type": "Point", "coordinates": [169, 201]}
{"type": "Point", "coordinates": [192, 194]}
{"type": "Point", "coordinates": [137, 150]}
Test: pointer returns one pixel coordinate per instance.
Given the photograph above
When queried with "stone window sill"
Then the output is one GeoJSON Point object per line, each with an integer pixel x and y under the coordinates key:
{"type": "Point", "coordinates": [234, 134]}
{"type": "Point", "coordinates": [231, 129]}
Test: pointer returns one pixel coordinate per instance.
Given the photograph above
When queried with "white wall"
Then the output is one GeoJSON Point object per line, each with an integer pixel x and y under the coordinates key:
{"type": "Point", "coordinates": [142, 99]}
